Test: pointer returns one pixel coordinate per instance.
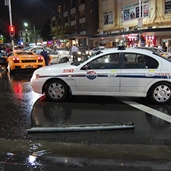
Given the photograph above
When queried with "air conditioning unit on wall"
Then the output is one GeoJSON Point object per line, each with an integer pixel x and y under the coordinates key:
{"type": "Point", "coordinates": [126, 29]}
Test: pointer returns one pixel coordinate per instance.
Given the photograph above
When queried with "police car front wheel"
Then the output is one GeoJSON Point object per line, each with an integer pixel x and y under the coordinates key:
{"type": "Point", "coordinates": [56, 90]}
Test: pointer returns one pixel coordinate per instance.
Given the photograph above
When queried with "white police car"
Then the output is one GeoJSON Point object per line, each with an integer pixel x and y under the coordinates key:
{"type": "Point", "coordinates": [114, 72]}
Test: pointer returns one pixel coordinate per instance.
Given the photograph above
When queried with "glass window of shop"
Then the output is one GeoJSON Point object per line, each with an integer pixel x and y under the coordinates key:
{"type": "Point", "coordinates": [131, 11]}
{"type": "Point", "coordinates": [167, 6]}
{"type": "Point", "coordinates": [108, 17]}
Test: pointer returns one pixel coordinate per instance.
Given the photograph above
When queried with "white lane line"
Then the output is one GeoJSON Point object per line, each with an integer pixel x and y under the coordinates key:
{"type": "Point", "coordinates": [149, 110]}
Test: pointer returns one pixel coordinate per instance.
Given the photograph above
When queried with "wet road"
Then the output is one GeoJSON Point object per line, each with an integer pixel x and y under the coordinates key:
{"type": "Point", "coordinates": [21, 109]}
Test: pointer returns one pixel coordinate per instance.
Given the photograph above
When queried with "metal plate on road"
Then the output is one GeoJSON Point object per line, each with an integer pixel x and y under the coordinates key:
{"type": "Point", "coordinates": [84, 127]}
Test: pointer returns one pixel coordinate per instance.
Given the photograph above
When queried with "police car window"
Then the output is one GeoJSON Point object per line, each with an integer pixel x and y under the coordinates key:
{"type": "Point", "coordinates": [139, 61]}
{"type": "Point", "coordinates": [109, 61]}
{"type": "Point", "coordinates": [134, 61]}
{"type": "Point", "coordinates": [151, 63]}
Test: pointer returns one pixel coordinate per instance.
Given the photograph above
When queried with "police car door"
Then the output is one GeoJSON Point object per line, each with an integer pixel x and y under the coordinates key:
{"type": "Point", "coordinates": [138, 71]}
{"type": "Point", "coordinates": [100, 76]}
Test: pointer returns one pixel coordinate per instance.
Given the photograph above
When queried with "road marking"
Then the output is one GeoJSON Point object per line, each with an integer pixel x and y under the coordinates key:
{"type": "Point", "coordinates": [149, 110]}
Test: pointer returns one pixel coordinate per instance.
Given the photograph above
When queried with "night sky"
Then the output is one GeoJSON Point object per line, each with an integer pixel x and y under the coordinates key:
{"type": "Point", "coordinates": [31, 11]}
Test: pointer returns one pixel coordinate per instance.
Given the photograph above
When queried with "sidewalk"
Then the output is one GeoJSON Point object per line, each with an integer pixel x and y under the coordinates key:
{"type": "Point", "coordinates": [48, 156]}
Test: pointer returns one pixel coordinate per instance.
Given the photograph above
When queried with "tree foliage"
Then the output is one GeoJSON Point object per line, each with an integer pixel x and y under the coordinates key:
{"type": "Point", "coordinates": [61, 29]}
{"type": "Point", "coordinates": [45, 32]}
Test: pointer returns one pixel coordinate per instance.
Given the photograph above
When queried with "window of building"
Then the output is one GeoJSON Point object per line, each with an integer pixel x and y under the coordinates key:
{"type": "Point", "coordinates": [81, 2]}
{"type": "Point", "coordinates": [108, 17]}
{"type": "Point", "coordinates": [82, 26]}
{"type": "Point", "coordinates": [72, 3]}
{"type": "Point", "coordinates": [65, 7]}
{"type": "Point", "coordinates": [82, 13]}
{"type": "Point", "coordinates": [167, 6]}
{"type": "Point", "coordinates": [73, 29]}
{"type": "Point", "coordinates": [131, 11]}
{"type": "Point", "coordinates": [65, 19]}
{"type": "Point", "coordinates": [73, 17]}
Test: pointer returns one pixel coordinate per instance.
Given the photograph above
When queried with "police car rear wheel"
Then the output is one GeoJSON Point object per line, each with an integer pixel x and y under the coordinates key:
{"type": "Point", "coordinates": [56, 90]}
{"type": "Point", "coordinates": [160, 93]}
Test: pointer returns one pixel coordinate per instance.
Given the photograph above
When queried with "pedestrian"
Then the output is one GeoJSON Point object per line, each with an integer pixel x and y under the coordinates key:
{"type": "Point", "coordinates": [169, 49]}
{"type": "Point", "coordinates": [74, 52]}
{"type": "Point", "coordinates": [46, 56]}
{"type": "Point", "coordinates": [8, 50]}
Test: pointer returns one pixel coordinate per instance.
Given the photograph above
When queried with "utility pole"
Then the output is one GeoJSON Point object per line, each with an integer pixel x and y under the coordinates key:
{"type": "Point", "coordinates": [140, 21]}
{"type": "Point", "coordinates": [34, 31]}
{"type": "Point", "coordinates": [8, 2]}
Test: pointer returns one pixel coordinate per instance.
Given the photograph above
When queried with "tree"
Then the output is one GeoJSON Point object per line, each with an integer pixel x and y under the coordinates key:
{"type": "Point", "coordinates": [45, 32]}
{"type": "Point", "coordinates": [61, 28]}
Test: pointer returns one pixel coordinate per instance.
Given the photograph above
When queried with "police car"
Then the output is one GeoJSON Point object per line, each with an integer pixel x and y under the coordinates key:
{"type": "Point", "coordinates": [113, 72]}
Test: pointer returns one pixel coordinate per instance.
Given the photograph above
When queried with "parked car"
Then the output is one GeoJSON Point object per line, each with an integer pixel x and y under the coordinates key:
{"type": "Point", "coordinates": [23, 60]}
{"type": "Point", "coordinates": [63, 51]}
{"type": "Point", "coordinates": [56, 56]}
{"type": "Point", "coordinates": [113, 72]}
{"type": "Point", "coordinates": [155, 49]}
{"type": "Point", "coordinates": [96, 49]}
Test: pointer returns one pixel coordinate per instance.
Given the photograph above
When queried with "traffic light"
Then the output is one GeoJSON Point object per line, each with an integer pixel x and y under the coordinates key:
{"type": "Point", "coordinates": [12, 31]}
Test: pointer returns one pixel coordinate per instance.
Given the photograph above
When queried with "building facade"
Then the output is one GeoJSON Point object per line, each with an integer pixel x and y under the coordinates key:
{"type": "Point", "coordinates": [137, 22]}
{"type": "Point", "coordinates": [80, 16]}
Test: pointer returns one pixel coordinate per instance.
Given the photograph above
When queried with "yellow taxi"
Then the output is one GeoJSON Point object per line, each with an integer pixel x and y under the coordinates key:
{"type": "Point", "coordinates": [24, 60]}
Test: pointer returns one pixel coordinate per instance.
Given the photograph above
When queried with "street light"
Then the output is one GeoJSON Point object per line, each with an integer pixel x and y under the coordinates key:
{"type": "Point", "coordinates": [34, 31]}
{"type": "Point", "coordinates": [25, 24]}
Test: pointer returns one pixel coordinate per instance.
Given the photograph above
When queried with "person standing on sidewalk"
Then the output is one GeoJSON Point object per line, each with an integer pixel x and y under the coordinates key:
{"type": "Point", "coordinates": [74, 51]}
